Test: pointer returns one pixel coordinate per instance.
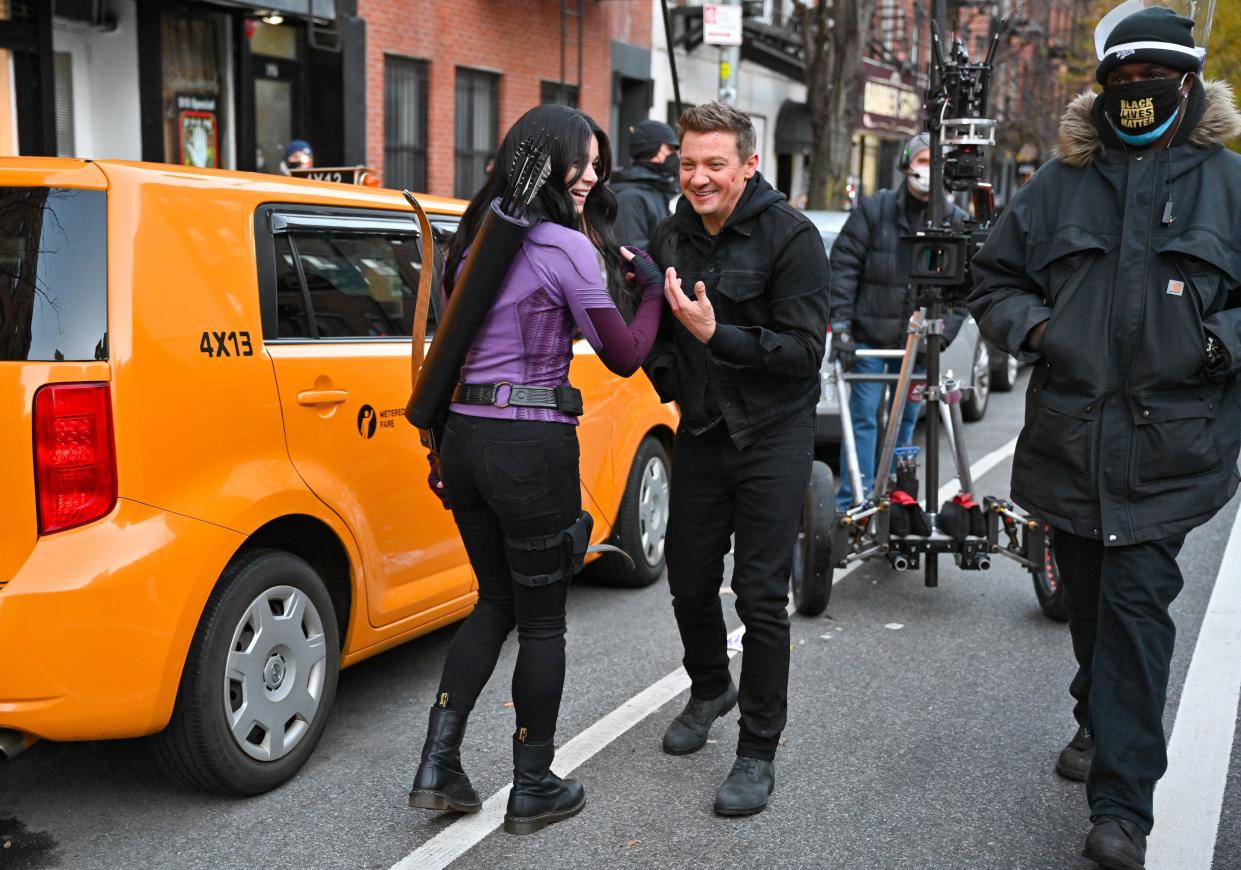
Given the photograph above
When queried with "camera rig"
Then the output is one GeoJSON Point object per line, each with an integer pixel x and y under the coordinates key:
{"type": "Point", "coordinates": [888, 522]}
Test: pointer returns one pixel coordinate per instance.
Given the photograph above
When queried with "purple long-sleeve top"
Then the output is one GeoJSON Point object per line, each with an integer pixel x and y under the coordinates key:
{"type": "Point", "coordinates": [554, 288]}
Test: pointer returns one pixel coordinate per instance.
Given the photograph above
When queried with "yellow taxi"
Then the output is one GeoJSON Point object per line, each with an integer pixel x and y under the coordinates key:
{"type": "Point", "coordinates": [212, 499]}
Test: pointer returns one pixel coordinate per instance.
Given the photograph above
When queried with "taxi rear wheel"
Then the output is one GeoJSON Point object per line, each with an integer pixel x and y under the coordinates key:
{"type": "Point", "coordinates": [643, 521]}
{"type": "Point", "coordinates": [259, 679]}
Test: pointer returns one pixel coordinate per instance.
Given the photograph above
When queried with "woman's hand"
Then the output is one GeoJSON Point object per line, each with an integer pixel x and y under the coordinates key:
{"type": "Point", "coordinates": [433, 481]}
{"type": "Point", "coordinates": [696, 314]}
{"type": "Point", "coordinates": [644, 271]}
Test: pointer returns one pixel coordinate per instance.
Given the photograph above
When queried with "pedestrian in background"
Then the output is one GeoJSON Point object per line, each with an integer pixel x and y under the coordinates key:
{"type": "Point", "coordinates": [1115, 272]}
{"type": "Point", "coordinates": [510, 464]}
{"type": "Point", "coordinates": [297, 155]}
{"type": "Point", "coordinates": [871, 303]}
{"type": "Point", "coordinates": [740, 354]}
{"type": "Point", "coordinates": [644, 189]}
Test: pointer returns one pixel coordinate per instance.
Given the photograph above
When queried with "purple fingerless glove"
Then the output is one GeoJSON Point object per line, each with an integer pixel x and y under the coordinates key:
{"type": "Point", "coordinates": [433, 481]}
{"type": "Point", "coordinates": [650, 279]}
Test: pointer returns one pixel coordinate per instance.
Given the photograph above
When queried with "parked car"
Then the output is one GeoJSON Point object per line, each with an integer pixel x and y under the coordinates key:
{"type": "Point", "coordinates": [213, 501]}
{"type": "Point", "coordinates": [967, 358]}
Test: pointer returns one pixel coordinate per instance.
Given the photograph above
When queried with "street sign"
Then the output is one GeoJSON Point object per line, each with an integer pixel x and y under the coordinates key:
{"type": "Point", "coordinates": [721, 24]}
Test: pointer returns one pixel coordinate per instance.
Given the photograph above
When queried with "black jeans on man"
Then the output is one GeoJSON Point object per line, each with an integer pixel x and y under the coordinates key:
{"type": "Point", "coordinates": [516, 478]}
{"type": "Point", "coordinates": [1122, 638]}
{"type": "Point", "coordinates": [756, 495]}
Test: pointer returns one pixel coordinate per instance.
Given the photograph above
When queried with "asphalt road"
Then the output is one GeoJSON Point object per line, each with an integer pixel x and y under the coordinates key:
{"type": "Point", "coordinates": [923, 727]}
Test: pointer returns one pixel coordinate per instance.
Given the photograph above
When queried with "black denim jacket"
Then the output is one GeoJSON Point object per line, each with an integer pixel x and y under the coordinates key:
{"type": "Point", "coordinates": [766, 275]}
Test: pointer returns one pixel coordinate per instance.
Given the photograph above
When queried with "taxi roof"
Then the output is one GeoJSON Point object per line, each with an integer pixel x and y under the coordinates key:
{"type": "Point", "coordinates": [75, 172]}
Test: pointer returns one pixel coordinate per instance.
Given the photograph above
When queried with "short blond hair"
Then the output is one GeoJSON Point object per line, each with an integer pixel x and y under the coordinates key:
{"type": "Point", "coordinates": [720, 117]}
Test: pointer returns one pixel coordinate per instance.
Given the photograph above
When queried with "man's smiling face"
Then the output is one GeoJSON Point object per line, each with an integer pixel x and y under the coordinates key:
{"type": "Point", "coordinates": [713, 175]}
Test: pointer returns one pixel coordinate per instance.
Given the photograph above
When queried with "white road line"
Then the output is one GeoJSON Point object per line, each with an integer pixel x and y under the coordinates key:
{"type": "Point", "coordinates": [465, 833]}
{"type": "Point", "coordinates": [1189, 799]}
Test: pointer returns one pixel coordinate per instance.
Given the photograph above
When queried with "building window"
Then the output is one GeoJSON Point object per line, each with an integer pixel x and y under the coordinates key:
{"type": "Point", "coordinates": [62, 64]}
{"type": "Point", "coordinates": [558, 93]}
{"type": "Point", "coordinates": [477, 128]}
{"type": "Point", "coordinates": [405, 123]}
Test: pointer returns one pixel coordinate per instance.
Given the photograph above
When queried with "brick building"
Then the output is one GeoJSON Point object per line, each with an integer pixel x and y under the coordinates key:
{"type": "Point", "coordinates": [444, 80]}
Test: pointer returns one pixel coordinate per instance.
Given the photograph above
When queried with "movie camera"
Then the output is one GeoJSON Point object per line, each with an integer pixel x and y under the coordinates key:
{"type": "Point", "coordinates": [888, 522]}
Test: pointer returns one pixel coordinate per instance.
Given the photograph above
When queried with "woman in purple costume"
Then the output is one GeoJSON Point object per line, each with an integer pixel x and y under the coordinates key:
{"type": "Point", "coordinates": [509, 456]}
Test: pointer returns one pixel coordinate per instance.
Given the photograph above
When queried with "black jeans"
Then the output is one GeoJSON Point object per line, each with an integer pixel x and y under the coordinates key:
{"type": "Point", "coordinates": [1122, 638]}
{"type": "Point", "coordinates": [755, 494]}
{"type": "Point", "coordinates": [516, 478]}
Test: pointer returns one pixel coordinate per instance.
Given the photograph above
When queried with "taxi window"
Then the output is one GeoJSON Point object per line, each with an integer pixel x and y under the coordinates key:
{"type": "Point", "coordinates": [53, 274]}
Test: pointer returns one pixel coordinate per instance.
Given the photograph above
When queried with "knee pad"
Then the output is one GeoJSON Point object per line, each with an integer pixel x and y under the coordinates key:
{"type": "Point", "coordinates": [545, 559]}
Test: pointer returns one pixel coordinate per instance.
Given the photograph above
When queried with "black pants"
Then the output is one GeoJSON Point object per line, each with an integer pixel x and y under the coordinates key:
{"type": "Point", "coordinates": [755, 494]}
{"type": "Point", "coordinates": [1122, 638]}
{"type": "Point", "coordinates": [516, 478]}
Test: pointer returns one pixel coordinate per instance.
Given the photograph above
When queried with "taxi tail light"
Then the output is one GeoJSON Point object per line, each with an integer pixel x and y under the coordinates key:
{"type": "Point", "coordinates": [74, 454]}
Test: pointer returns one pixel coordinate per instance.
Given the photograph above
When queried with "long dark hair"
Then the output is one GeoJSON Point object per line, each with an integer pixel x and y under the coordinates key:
{"type": "Point", "coordinates": [569, 131]}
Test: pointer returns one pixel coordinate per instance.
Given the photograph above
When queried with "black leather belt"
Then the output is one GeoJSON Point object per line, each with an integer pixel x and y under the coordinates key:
{"type": "Point", "coordinates": [564, 398]}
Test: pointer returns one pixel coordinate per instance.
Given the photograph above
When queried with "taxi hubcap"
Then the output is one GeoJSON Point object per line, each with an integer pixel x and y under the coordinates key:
{"type": "Point", "coordinates": [653, 510]}
{"type": "Point", "coordinates": [274, 677]}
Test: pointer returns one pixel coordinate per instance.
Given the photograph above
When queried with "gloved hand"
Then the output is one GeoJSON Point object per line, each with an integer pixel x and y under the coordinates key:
{"type": "Point", "coordinates": [433, 481]}
{"type": "Point", "coordinates": [644, 270]}
{"type": "Point", "coordinates": [1217, 354]}
{"type": "Point", "coordinates": [844, 350]}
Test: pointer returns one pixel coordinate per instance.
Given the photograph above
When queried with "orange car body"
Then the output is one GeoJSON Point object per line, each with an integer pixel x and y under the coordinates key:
{"type": "Point", "coordinates": [221, 441]}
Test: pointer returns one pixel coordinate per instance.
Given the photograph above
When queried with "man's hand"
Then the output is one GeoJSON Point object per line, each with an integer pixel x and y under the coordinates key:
{"type": "Point", "coordinates": [844, 350]}
{"type": "Point", "coordinates": [696, 315]}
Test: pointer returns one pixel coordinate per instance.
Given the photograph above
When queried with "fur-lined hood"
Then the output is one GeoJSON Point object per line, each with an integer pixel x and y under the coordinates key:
{"type": "Point", "coordinates": [1079, 142]}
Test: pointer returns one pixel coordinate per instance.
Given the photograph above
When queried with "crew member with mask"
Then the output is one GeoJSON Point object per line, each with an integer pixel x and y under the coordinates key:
{"type": "Point", "coordinates": [1115, 272]}
{"type": "Point", "coordinates": [644, 190]}
{"type": "Point", "coordinates": [871, 303]}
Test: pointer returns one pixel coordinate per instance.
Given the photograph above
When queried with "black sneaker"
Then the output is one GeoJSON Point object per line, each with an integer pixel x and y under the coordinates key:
{"type": "Point", "coordinates": [746, 788]}
{"type": "Point", "coordinates": [688, 731]}
{"type": "Point", "coordinates": [1074, 761]}
{"type": "Point", "coordinates": [1115, 843]}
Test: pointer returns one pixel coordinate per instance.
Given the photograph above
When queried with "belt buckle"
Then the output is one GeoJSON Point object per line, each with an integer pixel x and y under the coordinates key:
{"type": "Point", "coordinates": [496, 400]}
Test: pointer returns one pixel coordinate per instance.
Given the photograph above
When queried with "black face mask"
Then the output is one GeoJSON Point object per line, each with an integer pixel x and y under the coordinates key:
{"type": "Point", "coordinates": [669, 166]}
{"type": "Point", "coordinates": [1141, 112]}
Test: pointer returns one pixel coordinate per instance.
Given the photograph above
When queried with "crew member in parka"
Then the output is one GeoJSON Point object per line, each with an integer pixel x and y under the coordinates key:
{"type": "Point", "coordinates": [1115, 271]}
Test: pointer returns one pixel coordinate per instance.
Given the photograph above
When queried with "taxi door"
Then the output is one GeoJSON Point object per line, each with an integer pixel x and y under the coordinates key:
{"type": "Point", "coordinates": [339, 300]}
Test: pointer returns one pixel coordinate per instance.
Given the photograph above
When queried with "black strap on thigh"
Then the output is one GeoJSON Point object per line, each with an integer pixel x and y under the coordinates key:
{"type": "Point", "coordinates": [565, 398]}
{"type": "Point", "coordinates": [545, 559]}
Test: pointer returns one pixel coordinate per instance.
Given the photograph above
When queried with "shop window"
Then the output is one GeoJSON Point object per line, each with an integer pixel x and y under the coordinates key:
{"type": "Point", "coordinates": [405, 123]}
{"type": "Point", "coordinates": [477, 128]}
{"type": "Point", "coordinates": [193, 64]}
{"type": "Point", "coordinates": [558, 93]}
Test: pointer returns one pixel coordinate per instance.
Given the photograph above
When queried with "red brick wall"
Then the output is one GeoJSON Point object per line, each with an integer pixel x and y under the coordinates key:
{"type": "Point", "coordinates": [518, 39]}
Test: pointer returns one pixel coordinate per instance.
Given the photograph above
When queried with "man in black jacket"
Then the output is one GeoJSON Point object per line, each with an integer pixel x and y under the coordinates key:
{"type": "Point", "coordinates": [871, 302]}
{"type": "Point", "coordinates": [1116, 273]}
{"type": "Point", "coordinates": [644, 190]}
{"type": "Point", "coordinates": [740, 354]}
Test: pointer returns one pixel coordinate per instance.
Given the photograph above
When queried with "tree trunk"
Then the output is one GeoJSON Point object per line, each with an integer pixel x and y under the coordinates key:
{"type": "Point", "coordinates": [834, 35]}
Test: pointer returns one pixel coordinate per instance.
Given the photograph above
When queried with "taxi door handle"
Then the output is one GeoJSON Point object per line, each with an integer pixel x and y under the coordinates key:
{"type": "Point", "coordinates": [321, 397]}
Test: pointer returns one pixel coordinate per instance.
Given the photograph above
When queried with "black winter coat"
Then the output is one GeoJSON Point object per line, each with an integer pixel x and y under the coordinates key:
{"type": "Point", "coordinates": [1127, 437]}
{"type": "Point", "coordinates": [766, 276]}
{"type": "Point", "coordinates": [867, 289]}
{"type": "Point", "coordinates": [642, 197]}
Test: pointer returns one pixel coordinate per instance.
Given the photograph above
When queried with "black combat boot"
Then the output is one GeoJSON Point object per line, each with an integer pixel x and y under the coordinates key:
{"type": "Point", "coordinates": [440, 783]}
{"type": "Point", "coordinates": [539, 797]}
{"type": "Point", "coordinates": [688, 731]}
{"type": "Point", "coordinates": [746, 787]}
{"type": "Point", "coordinates": [1074, 761]}
{"type": "Point", "coordinates": [1116, 843]}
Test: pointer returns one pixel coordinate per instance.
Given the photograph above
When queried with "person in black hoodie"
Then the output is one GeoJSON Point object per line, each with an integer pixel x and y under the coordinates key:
{"type": "Point", "coordinates": [644, 190]}
{"type": "Point", "coordinates": [740, 355]}
{"type": "Point", "coordinates": [1115, 272]}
